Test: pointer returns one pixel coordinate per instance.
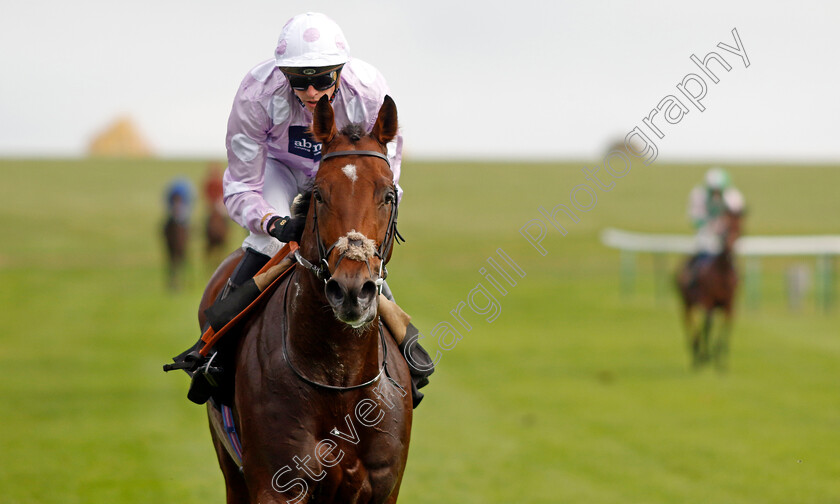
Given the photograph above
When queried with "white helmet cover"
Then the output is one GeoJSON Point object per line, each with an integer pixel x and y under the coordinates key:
{"type": "Point", "coordinates": [311, 40]}
{"type": "Point", "coordinates": [717, 179]}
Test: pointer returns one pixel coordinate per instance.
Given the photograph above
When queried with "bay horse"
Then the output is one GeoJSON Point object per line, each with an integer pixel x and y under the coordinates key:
{"type": "Point", "coordinates": [711, 288]}
{"type": "Point", "coordinates": [321, 400]}
{"type": "Point", "coordinates": [217, 223]}
{"type": "Point", "coordinates": [215, 231]}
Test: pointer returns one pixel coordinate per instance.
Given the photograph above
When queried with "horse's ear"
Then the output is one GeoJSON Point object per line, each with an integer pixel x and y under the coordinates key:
{"type": "Point", "coordinates": [323, 121]}
{"type": "Point", "coordinates": [385, 128]}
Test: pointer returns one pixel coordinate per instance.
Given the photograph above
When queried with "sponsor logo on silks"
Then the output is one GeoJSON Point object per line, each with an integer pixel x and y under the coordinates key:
{"type": "Point", "coordinates": [302, 144]}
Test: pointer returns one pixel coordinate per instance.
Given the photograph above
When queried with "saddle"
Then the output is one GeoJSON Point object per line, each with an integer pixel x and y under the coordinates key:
{"type": "Point", "coordinates": [695, 264]}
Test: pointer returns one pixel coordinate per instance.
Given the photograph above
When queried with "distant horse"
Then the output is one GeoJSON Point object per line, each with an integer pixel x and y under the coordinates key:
{"type": "Point", "coordinates": [711, 288]}
{"type": "Point", "coordinates": [217, 223]}
{"type": "Point", "coordinates": [215, 230]}
{"type": "Point", "coordinates": [176, 233]}
{"type": "Point", "coordinates": [321, 398]}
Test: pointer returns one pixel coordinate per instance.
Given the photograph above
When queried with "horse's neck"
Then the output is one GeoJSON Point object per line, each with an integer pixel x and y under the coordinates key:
{"type": "Point", "coordinates": [724, 259]}
{"type": "Point", "coordinates": [728, 252]}
{"type": "Point", "coordinates": [330, 350]}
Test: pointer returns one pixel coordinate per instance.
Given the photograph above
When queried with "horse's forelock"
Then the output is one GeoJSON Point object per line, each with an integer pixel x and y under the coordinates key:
{"type": "Point", "coordinates": [354, 132]}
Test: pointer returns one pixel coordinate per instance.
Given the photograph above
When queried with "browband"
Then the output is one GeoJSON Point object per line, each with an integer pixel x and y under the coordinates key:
{"type": "Point", "coordinates": [356, 153]}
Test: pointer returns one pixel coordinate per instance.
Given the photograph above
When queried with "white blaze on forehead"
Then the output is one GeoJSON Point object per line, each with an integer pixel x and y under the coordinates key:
{"type": "Point", "coordinates": [350, 171]}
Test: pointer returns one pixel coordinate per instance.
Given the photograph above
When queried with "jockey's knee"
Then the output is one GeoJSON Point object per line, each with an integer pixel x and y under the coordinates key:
{"type": "Point", "coordinates": [250, 264]}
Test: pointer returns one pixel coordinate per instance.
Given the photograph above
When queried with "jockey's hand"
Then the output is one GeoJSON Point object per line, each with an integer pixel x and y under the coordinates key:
{"type": "Point", "coordinates": [286, 229]}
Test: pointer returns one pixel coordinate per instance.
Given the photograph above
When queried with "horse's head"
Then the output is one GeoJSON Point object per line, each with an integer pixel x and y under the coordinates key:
{"type": "Point", "coordinates": [351, 221]}
{"type": "Point", "coordinates": [735, 209]}
{"type": "Point", "coordinates": [732, 225]}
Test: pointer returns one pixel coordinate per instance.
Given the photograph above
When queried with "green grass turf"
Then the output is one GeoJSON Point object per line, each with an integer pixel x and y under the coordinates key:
{"type": "Point", "coordinates": [575, 393]}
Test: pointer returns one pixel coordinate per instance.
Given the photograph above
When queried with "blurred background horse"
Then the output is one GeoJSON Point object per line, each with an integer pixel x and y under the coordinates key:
{"type": "Point", "coordinates": [176, 230]}
{"type": "Point", "coordinates": [217, 223]}
{"type": "Point", "coordinates": [708, 283]}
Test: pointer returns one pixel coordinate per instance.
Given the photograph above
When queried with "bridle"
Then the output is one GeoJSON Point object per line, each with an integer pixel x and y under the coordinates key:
{"type": "Point", "coordinates": [322, 269]}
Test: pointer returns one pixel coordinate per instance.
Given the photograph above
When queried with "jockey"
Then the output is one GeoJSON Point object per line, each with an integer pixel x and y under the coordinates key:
{"type": "Point", "coordinates": [706, 207]}
{"type": "Point", "coordinates": [271, 156]}
{"type": "Point", "coordinates": [179, 196]}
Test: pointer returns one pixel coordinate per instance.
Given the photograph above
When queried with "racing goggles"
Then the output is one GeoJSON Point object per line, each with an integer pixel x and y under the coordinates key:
{"type": "Point", "coordinates": [302, 81]}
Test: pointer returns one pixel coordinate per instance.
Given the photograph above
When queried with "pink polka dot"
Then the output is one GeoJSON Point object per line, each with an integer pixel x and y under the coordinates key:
{"type": "Point", "coordinates": [281, 48]}
{"type": "Point", "coordinates": [339, 42]}
{"type": "Point", "coordinates": [311, 34]}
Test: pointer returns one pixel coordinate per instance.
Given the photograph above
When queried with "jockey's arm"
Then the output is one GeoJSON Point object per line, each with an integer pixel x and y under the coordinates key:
{"type": "Point", "coordinates": [247, 152]}
{"type": "Point", "coordinates": [697, 211]}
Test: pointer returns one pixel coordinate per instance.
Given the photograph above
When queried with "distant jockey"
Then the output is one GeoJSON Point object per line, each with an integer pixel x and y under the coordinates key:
{"type": "Point", "coordinates": [179, 200]}
{"type": "Point", "coordinates": [707, 206]}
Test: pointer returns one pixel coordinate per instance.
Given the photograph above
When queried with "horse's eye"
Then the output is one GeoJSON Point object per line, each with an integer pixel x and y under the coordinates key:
{"type": "Point", "coordinates": [317, 196]}
{"type": "Point", "coordinates": [390, 198]}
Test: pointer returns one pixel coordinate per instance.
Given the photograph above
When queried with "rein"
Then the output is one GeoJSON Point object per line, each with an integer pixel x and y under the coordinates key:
{"type": "Point", "coordinates": [322, 269]}
{"type": "Point", "coordinates": [383, 368]}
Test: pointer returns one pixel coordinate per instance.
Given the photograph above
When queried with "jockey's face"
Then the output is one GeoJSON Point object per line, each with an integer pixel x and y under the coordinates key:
{"type": "Point", "coordinates": [310, 96]}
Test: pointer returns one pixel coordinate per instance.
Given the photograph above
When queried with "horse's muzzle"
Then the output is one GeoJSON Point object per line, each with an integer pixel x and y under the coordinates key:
{"type": "Point", "coordinates": [353, 300]}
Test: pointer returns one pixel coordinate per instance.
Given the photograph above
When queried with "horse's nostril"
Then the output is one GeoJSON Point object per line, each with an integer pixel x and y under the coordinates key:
{"type": "Point", "coordinates": [367, 292]}
{"type": "Point", "coordinates": [334, 292]}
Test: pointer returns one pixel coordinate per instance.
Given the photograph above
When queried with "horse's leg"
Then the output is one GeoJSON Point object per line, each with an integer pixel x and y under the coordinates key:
{"type": "Point", "coordinates": [237, 490]}
{"type": "Point", "coordinates": [169, 245]}
{"type": "Point", "coordinates": [696, 347]}
{"type": "Point", "coordinates": [722, 347]}
{"type": "Point", "coordinates": [692, 330]}
{"type": "Point", "coordinates": [703, 335]}
{"type": "Point", "coordinates": [692, 333]}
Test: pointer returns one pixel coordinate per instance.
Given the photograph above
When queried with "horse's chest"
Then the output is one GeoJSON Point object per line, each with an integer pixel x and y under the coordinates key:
{"type": "Point", "coordinates": [348, 453]}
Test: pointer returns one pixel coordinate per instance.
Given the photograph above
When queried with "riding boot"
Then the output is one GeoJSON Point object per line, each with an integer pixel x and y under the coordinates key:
{"type": "Point", "coordinates": [420, 364]}
{"type": "Point", "coordinates": [211, 375]}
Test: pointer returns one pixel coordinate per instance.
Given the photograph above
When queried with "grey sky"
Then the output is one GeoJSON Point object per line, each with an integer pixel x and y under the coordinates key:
{"type": "Point", "coordinates": [491, 79]}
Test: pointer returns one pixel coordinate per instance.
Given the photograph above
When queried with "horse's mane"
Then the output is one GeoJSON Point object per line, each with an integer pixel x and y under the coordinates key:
{"type": "Point", "coordinates": [300, 207]}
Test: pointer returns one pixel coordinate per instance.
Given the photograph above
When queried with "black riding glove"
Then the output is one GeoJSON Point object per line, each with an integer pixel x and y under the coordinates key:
{"type": "Point", "coordinates": [286, 229]}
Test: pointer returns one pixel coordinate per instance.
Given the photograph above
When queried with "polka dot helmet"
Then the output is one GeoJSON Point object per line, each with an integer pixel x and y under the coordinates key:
{"type": "Point", "coordinates": [717, 179]}
{"type": "Point", "coordinates": [311, 40]}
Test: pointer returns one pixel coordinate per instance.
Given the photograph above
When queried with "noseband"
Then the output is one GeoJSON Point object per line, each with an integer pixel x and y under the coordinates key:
{"type": "Point", "coordinates": [322, 270]}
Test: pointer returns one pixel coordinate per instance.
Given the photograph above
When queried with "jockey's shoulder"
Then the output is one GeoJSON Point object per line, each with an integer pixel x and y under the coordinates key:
{"type": "Point", "coordinates": [698, 192]}
{"type": "Point", "coordinates": [734, 199]}
{"type": "Point", "coordinates": [364, 79]}
{"type": "Point", "coordinates": [263, 80]}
